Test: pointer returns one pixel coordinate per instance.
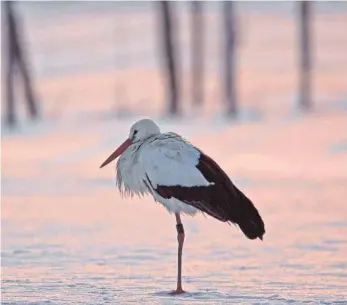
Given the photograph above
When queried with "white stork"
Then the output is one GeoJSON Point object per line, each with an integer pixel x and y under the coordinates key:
{"type": "Point", "coordinates": [183, 179]}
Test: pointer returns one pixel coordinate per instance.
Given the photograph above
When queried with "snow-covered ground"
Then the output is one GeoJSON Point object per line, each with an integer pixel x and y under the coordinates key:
{"type": "Point", "coordinates": [68, 238]}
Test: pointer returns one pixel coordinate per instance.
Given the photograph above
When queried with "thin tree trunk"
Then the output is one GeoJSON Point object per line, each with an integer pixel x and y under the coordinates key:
{"type": "Point", "coordinates": [170, 56]}
{"type": "Point", "coordinates": [10, 59]}
{"type": "Point", "coordinates": [11, 119]}
{"type": "Point", "coordinates": [197, 56]}
{"type": "Point", "coordinates": [305, 80]}
{"type": "Point", "coordinates": [230, 58]}
{"type": "Point", "coordinates": [28, 88]}
{"type": "Point", "coordinates": [16, 57]}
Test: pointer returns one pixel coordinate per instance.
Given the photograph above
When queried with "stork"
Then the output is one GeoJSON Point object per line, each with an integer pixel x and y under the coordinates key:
{"type": "Point", "coordinates": [183, 179]}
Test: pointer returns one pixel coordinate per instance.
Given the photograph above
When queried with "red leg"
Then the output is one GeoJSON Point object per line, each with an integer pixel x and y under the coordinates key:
{"type": "Point", "coordinates": [180, 239]}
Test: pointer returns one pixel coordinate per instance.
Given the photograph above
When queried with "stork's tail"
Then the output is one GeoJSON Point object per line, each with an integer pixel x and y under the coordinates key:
{"type": "Point", "coordinates": [249, 219]}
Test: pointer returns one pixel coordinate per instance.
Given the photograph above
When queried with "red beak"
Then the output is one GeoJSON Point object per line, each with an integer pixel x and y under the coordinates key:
{"type": "Point", "coordinates": [117, 152]}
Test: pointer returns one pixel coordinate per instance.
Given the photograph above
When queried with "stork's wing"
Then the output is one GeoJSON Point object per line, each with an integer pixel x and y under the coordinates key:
{"type": "Point", "coordinates": [170, 161]}
{"type": "Point", "coordinates": [179, 170]}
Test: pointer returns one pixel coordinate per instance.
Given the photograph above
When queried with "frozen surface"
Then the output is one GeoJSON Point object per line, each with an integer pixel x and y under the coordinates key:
{"type": "Point", "coordinates": [68, 238]}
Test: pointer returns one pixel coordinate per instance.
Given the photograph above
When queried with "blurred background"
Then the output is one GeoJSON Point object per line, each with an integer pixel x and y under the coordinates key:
{"type": "Point", "coordinates": [260, 86]}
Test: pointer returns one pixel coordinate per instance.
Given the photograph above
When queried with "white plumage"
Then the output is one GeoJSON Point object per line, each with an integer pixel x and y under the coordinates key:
{"type": "Point", "coordinates": [163, 158]}
{"type": "Point", "coordinates": [181, 177]}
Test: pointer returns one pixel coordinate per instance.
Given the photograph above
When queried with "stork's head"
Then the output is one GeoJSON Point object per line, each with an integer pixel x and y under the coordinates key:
{"type": "Point", "coordinates": [139, 131]}
{"type": "Point", "coordinates": [143, 129]}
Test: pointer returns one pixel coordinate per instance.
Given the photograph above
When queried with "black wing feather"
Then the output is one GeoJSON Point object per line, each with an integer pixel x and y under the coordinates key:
{"type": "Point", "coordinates": [221, 200]}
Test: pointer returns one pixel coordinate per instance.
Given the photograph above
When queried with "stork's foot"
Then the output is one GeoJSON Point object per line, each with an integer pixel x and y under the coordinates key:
{"type": "Point", "coordinates": [177, 291]}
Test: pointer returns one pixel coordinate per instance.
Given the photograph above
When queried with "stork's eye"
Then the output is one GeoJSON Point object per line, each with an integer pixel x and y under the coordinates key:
{"type": "Point", "coordinates": [135, 132]}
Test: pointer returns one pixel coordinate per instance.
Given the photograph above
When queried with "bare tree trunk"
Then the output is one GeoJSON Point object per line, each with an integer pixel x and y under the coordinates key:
{"type": "Point", "coordinates": [170, 56]}
{"type": "Point", "coordinates": [230, 58]}
{"type": "Point", "coordinates": [305, 54]}
{"type": "Point", "coordinates": [28, 88]}
{"type": "Point", "coordinates": [9, 64]}
{"type": "Point", "coordinates": [197, 56]}
{"type": "Point", "coordinates": [16, 57]}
